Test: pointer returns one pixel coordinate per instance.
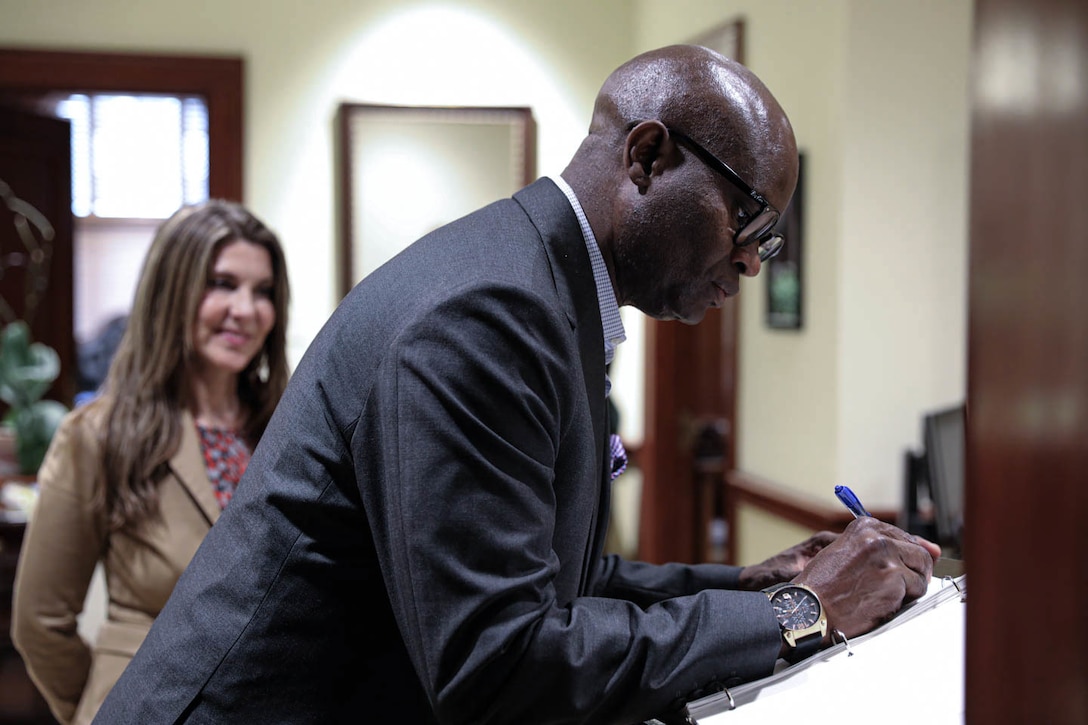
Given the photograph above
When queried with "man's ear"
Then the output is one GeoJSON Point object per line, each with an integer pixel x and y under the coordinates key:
{"type": "Point", "coordinates": [646, 148]}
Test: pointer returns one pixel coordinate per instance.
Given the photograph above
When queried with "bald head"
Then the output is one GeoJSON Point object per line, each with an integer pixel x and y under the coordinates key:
{"type": "Point", "coordinates": [669, 220]}
{"type": "Point", "coordinates": [702, 93]}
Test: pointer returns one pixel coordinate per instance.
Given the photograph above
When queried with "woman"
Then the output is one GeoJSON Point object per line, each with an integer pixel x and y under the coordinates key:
{"type": "Point", "coordinates": [137, 477]}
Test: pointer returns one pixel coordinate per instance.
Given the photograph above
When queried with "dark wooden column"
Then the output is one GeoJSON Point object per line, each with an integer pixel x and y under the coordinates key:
{"type": "Point", "coordinates": [1026, 532]}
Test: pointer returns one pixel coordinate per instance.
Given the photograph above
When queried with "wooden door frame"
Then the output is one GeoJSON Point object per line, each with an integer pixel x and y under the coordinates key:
{"type": "Point", "coordinates": [690, 391]}
{"type": "Point", "coordinates": [27, 73]}
{"type": "Point", "coordinates": [218, 79]}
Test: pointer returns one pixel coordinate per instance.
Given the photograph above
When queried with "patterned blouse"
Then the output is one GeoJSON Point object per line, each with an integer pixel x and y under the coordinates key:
{"type": "Point", "coordinates": [226, 456]}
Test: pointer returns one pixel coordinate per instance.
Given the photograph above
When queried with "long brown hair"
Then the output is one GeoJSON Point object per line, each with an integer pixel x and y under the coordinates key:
{"type": "Point", "coordinates": [147, 386]}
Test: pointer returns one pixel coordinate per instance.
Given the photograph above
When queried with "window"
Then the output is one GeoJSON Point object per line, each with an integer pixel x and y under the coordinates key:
{"type": "Point", "coordinates": [29, 77]}
{"type": "Point", "coordinates": [136, 156]}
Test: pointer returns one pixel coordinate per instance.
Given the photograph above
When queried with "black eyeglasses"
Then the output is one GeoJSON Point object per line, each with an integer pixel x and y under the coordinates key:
{"type": "Point", "coordinates": [762, 224]}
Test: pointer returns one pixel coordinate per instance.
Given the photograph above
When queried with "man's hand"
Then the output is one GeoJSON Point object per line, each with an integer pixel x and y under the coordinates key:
{"type": "Point", "coordinates": [785, 566]}
{"type": "Point", "coordinates": [868, 573]}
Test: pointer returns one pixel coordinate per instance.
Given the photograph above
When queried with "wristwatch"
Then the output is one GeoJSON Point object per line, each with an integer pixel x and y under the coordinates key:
{"type": "Point", "coordinates": [801, 617]}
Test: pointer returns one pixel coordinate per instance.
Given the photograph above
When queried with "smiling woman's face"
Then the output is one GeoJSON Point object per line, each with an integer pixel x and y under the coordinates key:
{"type": "Point", "coordinates": [237, 311]}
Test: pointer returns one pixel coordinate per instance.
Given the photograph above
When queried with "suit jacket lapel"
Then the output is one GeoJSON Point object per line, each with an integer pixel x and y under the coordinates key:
{"type": "Point", "coordinates": [550, 211]}
{"type": "Point", "coordinates": [187, 466]}
{"type": "Point", "coordinates": [572, 271]}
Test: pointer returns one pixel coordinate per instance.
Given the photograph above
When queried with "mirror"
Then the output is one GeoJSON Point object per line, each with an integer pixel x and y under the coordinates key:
{"type": "Point", "coordinates": [406, 170]}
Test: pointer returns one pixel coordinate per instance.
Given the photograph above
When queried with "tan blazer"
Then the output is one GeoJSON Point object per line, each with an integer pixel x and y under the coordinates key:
{"type": "Point", "coordinates": [64, 541]}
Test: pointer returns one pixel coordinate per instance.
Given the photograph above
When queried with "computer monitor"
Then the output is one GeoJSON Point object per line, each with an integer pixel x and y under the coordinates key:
{"type": "Point", "coordinates": [945, 442]}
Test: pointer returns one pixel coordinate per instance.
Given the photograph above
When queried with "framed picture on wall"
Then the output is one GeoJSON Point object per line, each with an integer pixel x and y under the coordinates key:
{"type": "Point", "coordinates": [403, 171]}
{"type": "Point", "coordinates": [783, 273]}
{"type": "Point", "coordinates": [727, 38]}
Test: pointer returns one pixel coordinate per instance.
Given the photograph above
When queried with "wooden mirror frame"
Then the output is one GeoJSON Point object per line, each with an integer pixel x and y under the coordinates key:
{"type": "Point", "coordinates": [353, 142]}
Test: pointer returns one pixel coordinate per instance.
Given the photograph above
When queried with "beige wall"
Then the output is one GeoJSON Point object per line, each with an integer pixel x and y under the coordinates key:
{"type": "Point", "coordinates": [903, 254]}
{"type": "Point", "coordinates": [305, 58]}
{"type": "Point", "coordinates": [764, 534]}
{"type": "Point", "coordinates": [877, 94]}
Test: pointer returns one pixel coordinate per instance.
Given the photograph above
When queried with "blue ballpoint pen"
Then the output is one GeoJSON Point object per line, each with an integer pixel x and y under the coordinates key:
{"type": "Point", "coordinates": [851, 501]}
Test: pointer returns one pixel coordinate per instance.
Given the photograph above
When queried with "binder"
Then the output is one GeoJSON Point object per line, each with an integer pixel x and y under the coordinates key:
{"type": "Point", "coordinates": [908, 670]}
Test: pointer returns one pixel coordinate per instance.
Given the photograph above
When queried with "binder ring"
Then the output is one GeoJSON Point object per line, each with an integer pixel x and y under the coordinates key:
{"type": "Point", "coordinates": [838, 633]}
{"type": "Point", "coordinates": [952, 580]}
{"type": "Point", "coordinates": [727, 693]}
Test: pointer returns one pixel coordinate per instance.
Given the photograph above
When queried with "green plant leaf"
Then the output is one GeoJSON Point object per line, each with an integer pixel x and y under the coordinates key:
{"type": "Point", "coordinates": [34, 428]}
{"type": "Point", "coordinates": [27, 369]}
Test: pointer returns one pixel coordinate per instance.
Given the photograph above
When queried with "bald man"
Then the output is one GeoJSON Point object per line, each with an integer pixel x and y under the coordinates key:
{"type": "Point", "coordinates": [418, 537]}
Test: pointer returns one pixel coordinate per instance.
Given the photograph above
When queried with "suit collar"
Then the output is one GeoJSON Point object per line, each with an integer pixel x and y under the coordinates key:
{"type": "Point", "coordinates": [187, 466]}
{"type": "Point", "coordinates": [551, 213]}
{"type": "Point", "coordinates": [606, 294]}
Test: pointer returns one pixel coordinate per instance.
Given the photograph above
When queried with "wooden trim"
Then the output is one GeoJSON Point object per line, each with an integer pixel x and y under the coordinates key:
{"type": "Point", "coordinates": [218, 79]}
{"type": "Point", "coordinates": [528, 145]}
{"type": "Point", "coordinates": [345, 255]}
{"type": "Point", "coordinates": [662, 509]}
{"type": "Point", "coordinates": [786, 503]}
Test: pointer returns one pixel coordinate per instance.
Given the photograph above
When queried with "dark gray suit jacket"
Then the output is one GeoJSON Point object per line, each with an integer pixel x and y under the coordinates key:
{"type": "Point", "coordinates": [418, 536]}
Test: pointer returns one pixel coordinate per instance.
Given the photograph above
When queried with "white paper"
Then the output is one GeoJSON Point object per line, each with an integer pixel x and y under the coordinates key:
{"type": "Point", "coordinates": [912, 672]}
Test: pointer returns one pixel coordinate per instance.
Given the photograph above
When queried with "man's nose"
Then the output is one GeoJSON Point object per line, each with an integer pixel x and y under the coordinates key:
{"type": "Point", "coordinates": [746, 259]}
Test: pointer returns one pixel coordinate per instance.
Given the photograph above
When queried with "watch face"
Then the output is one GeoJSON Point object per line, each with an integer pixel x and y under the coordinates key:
{"type": "Point", "coordinates": [795, 608]}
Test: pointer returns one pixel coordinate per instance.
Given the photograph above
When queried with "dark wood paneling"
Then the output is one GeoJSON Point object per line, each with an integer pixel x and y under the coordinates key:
{"type": "Point", "coordinates": [1027, 439]}
{"type": "Point", "coordinates": [690, 398]}
{"type": "Point", "coordinates": [35, 164]}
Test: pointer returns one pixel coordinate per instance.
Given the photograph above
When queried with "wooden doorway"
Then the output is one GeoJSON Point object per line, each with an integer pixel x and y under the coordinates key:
{"type": "Point", "coordinates": [219, 80]}
{"type": "Point", "coordinates": [25, 76]}
{"type": "Point", "coordinates": [689, 442]}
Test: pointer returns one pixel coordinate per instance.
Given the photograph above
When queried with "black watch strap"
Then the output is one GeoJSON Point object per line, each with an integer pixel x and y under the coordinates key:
{"type": "Point", "coordinates": [804, 648]}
